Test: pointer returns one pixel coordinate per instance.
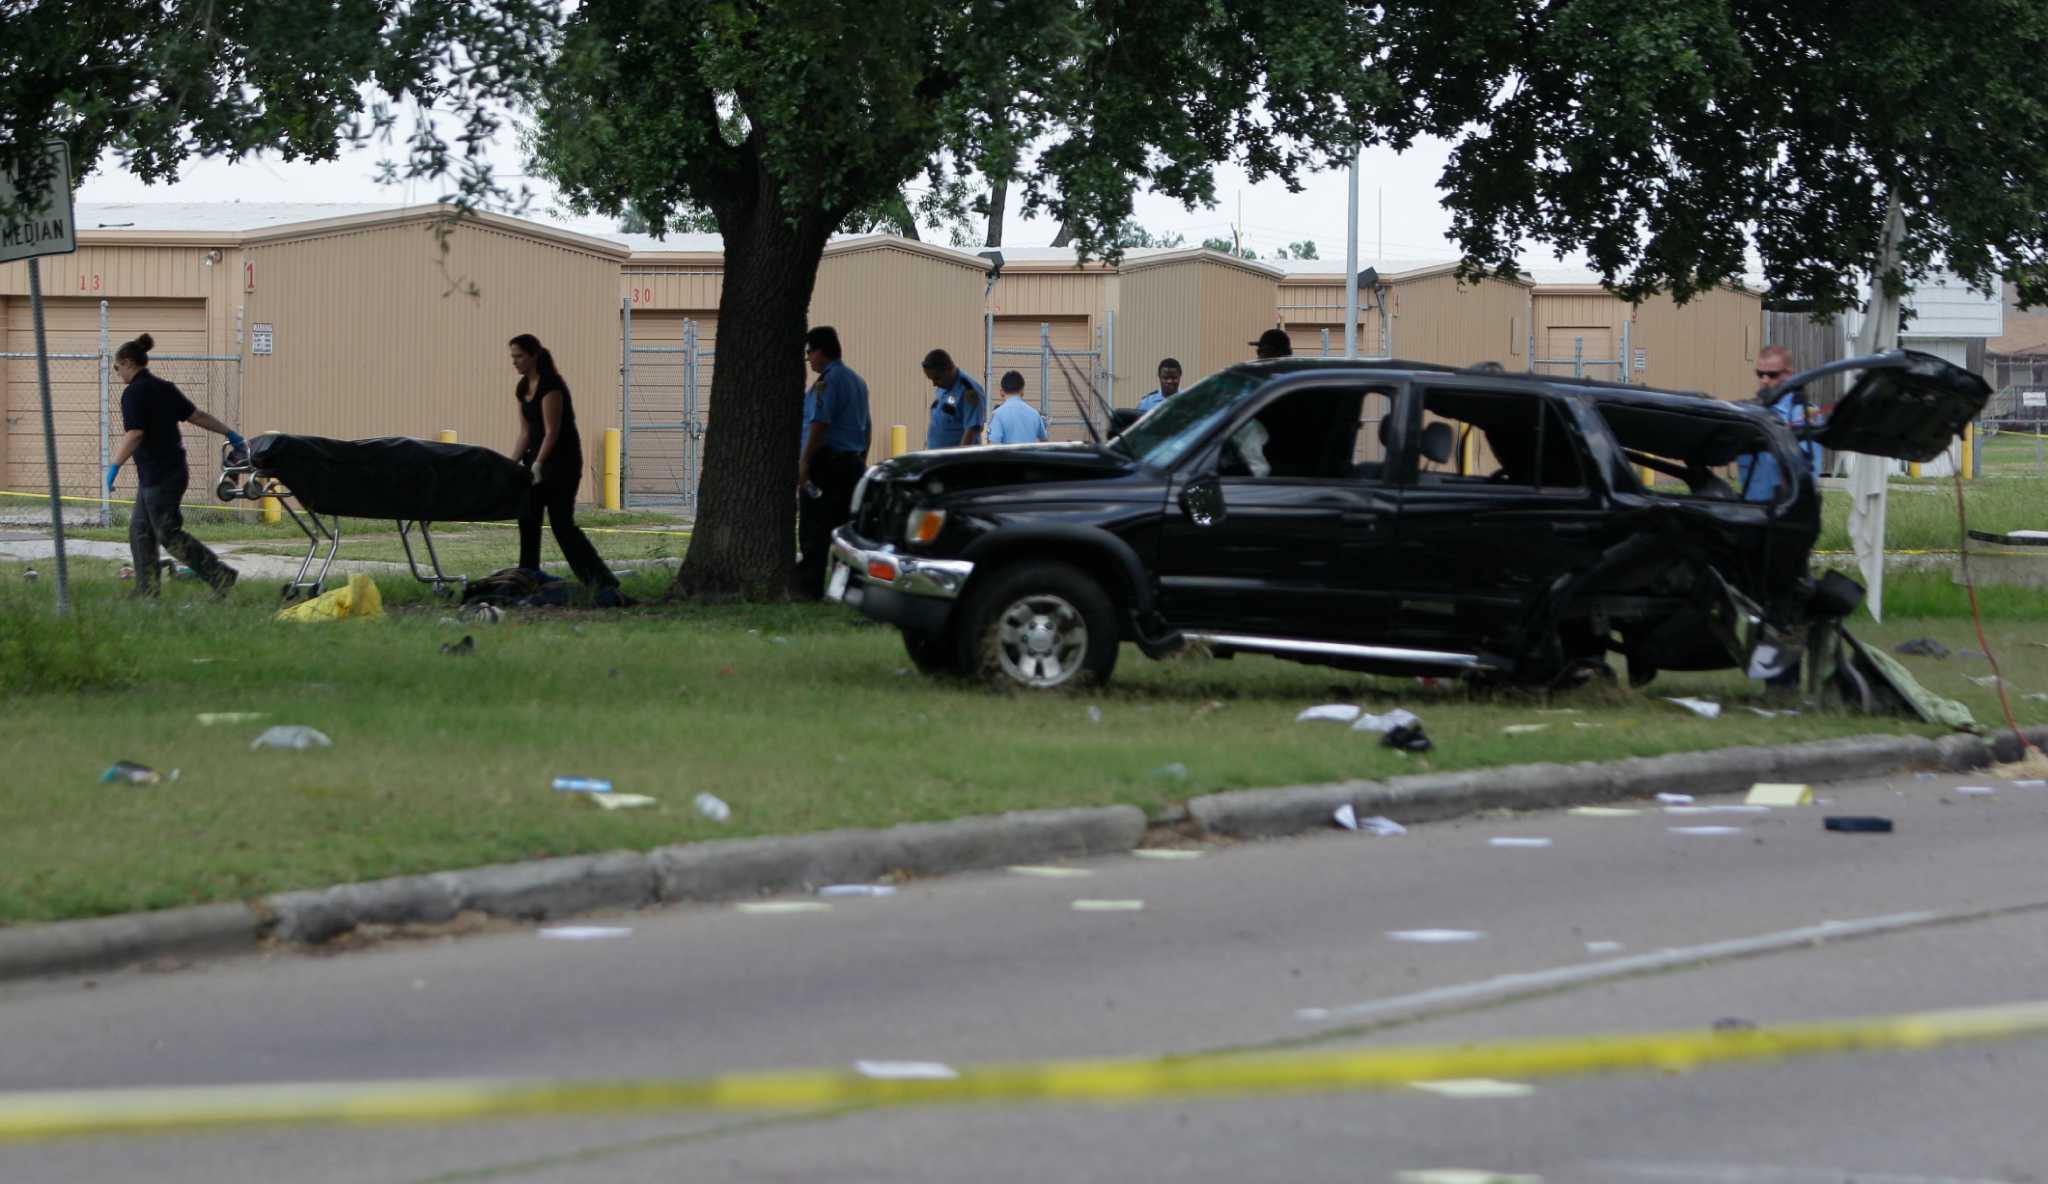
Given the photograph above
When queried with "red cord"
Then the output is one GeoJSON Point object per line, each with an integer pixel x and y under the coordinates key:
{"type": "Point", "coordinates": [1977, 617]}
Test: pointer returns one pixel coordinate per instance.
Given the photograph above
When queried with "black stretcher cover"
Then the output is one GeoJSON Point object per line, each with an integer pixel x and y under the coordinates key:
{"type": "Point", "coordinates": [394, 478]}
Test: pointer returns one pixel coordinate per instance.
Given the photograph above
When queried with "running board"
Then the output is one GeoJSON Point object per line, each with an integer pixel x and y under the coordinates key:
{"type": "Point", "coordinates": [1251, 643]}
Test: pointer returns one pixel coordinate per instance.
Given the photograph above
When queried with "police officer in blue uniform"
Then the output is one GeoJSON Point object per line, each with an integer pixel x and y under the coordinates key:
{"type": "Point", "coordinates": [1016, 421]}
{"type": "Point", "coordinates": [835, 448]}
{"type": "Point", "coordinates": [1169, 385]}
{"type": "Point", "coordinates": [959, 404]}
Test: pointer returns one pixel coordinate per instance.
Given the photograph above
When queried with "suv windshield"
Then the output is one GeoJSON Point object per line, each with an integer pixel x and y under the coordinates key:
{"type": "Point", "coordinates": [1172, 428]}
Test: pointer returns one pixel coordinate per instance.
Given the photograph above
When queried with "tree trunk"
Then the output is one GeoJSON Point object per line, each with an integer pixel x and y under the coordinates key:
{"type": "Point", "coordinates": [1065, 236]}
{"type": "Point", "coordinates": [998, 198]}
{"type": "Point", "coordinates": [744, 542]}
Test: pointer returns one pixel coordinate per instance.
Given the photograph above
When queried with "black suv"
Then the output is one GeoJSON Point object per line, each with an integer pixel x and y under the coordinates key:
{"type": "Point", "coordinates": [1384, 517]}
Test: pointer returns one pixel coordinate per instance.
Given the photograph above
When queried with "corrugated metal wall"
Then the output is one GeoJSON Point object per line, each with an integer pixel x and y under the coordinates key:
{"type": "Point", "coordinates": [1439, 320]}
{"type": "Point", "coordinates": [1708, 344]}
{"type": "Point", "coordinates": [1237, 306]}
{"type": "Point", "coordinates": [1307, 305]}
{"type": "Point", "coordinates": [1159, 316]}
{"type": "Point", "coordinates": [376, 334]}
{"type": "Point", "coordinates": [892, 305]}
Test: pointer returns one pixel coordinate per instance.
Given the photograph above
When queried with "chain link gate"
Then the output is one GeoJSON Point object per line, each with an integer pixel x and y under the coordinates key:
{"type": "Point", "coordinates": [662, 396]}
{"type": "Point", "coordinates": [1046, 378]}
{"type": "Point", "coordinates": [1579, 363]}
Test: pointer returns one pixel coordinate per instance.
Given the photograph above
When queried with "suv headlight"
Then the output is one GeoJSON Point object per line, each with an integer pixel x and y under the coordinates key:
{"type": "Point", "coordinates": [924, 526]}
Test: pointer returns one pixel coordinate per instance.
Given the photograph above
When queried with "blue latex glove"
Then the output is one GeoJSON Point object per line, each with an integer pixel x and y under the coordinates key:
{"type": "Point", "coordinates": [112, 470]}
{"type": "Point", "coordinates": [235, 438]}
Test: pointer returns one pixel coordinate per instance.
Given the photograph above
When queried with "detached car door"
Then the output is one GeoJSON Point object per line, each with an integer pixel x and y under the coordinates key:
{"type": "Point", "coordinates": [1271, 527]}
{"type": "Point", "coordinates": [1499, 506]}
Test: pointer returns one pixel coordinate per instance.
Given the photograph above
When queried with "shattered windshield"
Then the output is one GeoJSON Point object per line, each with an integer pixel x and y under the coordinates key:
{"type": "Point", "coordinates": [1174, 426]}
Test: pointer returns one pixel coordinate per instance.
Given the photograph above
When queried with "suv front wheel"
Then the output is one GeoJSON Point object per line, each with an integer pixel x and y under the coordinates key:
{"type": "Point", "coordinates": [1040, 625]}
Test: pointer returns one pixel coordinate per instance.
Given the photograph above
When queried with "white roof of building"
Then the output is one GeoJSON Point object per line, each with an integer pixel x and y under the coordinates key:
{"type": "Point", "coordinates": [225, 217]}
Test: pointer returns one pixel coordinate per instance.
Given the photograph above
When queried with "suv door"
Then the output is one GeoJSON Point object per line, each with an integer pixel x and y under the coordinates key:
{"type": "Point", "coordinates": [1499, 506]}
{"type": "Point", "coordinates": [1307, 510]}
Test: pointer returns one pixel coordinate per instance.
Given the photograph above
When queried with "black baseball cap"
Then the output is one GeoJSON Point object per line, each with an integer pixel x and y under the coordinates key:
{"type": "Point", "coordinates": [1275, 343]}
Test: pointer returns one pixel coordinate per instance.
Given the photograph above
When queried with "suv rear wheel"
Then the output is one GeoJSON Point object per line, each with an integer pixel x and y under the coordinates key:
{"type": "Point", "coordinates": [1040, 625]}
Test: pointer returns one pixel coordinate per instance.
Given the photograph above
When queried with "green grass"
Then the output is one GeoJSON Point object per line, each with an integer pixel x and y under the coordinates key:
{"type": "Point", "coordinates": [799, 717]}
{"type": "Point", "coordinates": [1921, 515]}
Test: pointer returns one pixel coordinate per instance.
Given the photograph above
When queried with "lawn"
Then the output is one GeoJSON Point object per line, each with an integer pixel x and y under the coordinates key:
{"type": "Point", "coordinates": [799, 717]}
{"type": "Point", "coordinates": [1921, 515]}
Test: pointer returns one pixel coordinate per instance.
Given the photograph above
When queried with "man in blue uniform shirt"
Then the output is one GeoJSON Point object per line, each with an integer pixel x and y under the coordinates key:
{"type": "Point", "coordinates": [959, 404]}
{"type": "Point", "coordinates": [1169, 385]}
{"type": "Point", "coordinates": [1016, 421]}
{"type": "Point", "coordinates": [1759, 473]}
{"type": "Point", "coordinates": [835, 449]}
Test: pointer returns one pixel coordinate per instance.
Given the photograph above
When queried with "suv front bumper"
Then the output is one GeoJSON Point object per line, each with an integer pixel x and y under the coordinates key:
{"type": "Point", "coordinates": [916, 594]}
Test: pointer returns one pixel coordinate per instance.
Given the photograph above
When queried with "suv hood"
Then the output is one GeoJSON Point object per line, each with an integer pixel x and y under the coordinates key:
{"type": "Point", "coordinates": [1906, 405]}
{"type": "Point", "coordinates": [1007, 464]}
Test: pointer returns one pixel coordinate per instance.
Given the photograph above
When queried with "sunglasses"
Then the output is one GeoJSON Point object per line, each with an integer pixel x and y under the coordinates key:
{"type": "Point", "coordinates": [1772, 373]}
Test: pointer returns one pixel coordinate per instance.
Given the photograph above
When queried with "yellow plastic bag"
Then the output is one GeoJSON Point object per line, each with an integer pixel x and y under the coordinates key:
{"type": "Point", "coordinates": [359, 600]}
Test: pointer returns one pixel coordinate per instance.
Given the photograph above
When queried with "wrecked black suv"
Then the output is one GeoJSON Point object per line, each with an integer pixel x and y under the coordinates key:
{"type": "Point", "coordinates": [1392, 518]}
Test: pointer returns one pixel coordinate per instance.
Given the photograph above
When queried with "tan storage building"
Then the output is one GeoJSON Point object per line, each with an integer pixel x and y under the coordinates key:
{"type": "Point", "coordinates": [1199, 306]}
{"type": "Point", "coordinates": [1708, 344]}
{"type": "Point", "coordinates": [1046, 296]}
{"type": "Point", "coordinates": [1429, 316]}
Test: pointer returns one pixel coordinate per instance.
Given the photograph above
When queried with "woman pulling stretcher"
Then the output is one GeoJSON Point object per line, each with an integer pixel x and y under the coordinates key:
{"type": "Point", "coordinates": [552, 451]}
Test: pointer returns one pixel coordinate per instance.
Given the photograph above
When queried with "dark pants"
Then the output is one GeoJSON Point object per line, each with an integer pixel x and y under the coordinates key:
{"type": "Point", "coordinates": [157, 521]}
{"type": "Point", "coordinates": [556, 496]}
{"type": "Point", "coordinates": [835, 474]}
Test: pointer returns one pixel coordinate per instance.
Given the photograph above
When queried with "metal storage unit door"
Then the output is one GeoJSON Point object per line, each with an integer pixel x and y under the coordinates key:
{"type": "Point", "coordinates": [1017, 348]}
{"type": "Point", "coordinates": [72, 326]}
{"type": "Point", "coordinates": [659, 453]}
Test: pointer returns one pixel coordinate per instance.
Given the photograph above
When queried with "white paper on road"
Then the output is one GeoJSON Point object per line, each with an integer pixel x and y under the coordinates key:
{"type": "Point", "coordinates": [782, 906]}
{"type": "Point", "coordinates": [1778, 793]}
{"type": "Point", "coordinates": [1474, 1087]}
{"type": "Point", "coordinates": [1603, 947]}
{"type": "Point", "coordinates": [585, 932]}
{"type": "Point", "coordinates": [906, 1070]}
{"type": "Point", "coordinates": [1046, 872]}
{"type": "Point", "coordinates": [1376, 826]}
{"type": "Point", "coordinates": [1165, 853]}
{"type": "Point", "coordinates": [1704, 708]}
{"type": "Point", "coordinates": [1461, 1176]}
{"type": "Point", "coordinates": [2030, 784]}
{"type": "Point", "coordinates": [857, 890]}
{"type": "Point", "coordinates": [1704, 830]}
{"type": "Point", "coordinates": [1675, 798]}
{"type": "Point", "coordinates": [1603, 811]}
{"type": "Point", "coordinates": [1108, 906]}
{"type": "Point", "coordinates": [1335, 713]}
{"type": "Point", "coordinates": [1722, 808]}
{"type": "Point", "coordinates": [1399, 717]}
{"type": "Point", "coordinates": [1435, 936]}
{"type": "Point", "coordinates": [1976, 790]}
{"type": "Point", "coordinates": [1513, 841]}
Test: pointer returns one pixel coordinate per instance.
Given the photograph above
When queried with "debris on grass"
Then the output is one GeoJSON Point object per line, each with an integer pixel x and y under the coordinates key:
{"type": "Point", "coordinates": [1377, 826]}
{"type": "Point", "coordinates": [132, 773]}
{"type": "Point", "coordinates": [619, 801]}
{"type": "Point", "coordinates": [1921, 647]}
{"type": "Point", "coordinates": [1335, 713]}
{"type": "Point", "coordinates": [291, 738]}
{"type": "Point", "coordinates": [208, 719]}
{"type": "Point", "coordinates": [1173, 772]}
{"type": "Point", "coordinates": [1399, 717]}
{"type": "Point", "coordinates": [460, 649]}
{"type": "Point", "coordinates": [1704, 708]}
{"type": "Point", "coordinates": [712, 806]}
{"type": "Point", "coordinates": [583, 785]}
{"type": "Point", "coordinates": [1524, 729]}
{"type": "Point", "coordinates": [1094, 714]}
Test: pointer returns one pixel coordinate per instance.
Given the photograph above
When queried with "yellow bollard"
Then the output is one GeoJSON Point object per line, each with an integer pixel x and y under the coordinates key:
{"type": "Point", "coordinates": [1913, 470]}
{"type": "Point", "coordinates": [446, 436]}
{"type": "Point", "coordinates": [1969, 452]}
{"type": "Point", "coordinates": [899, 440]}
{"type": "Point", "coordinates": [272, 512]}
{"type": "Point", "coordinates": [1469, 463]}
{"type": "Point", "coordinates": [611, 468]}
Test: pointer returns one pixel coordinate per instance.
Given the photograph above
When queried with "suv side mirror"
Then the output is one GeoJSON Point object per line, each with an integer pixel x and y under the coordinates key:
{"type": "Point", "coordinates": [1202, 501]}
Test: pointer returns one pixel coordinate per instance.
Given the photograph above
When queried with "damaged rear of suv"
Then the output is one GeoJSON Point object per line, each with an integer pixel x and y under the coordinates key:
{"type": "Point", "coordinates": [1392, 518]}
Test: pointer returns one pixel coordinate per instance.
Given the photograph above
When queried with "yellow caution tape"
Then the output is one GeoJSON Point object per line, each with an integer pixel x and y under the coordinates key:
{"type": "Point", "coordinates": [68, 1113]}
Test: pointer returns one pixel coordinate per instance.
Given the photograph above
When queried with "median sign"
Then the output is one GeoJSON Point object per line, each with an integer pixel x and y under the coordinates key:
{"type": "Point", "coordinates": [34, 224]}
{"type": "Point", "coordinates": [44, 226]}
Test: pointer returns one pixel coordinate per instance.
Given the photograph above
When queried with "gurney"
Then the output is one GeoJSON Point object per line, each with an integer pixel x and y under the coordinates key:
{"type": "Point", "coordinates": [412, 482]}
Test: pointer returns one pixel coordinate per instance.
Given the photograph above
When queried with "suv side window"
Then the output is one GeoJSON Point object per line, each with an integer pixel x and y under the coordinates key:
{"type": "Point", "coordinates": [1315, 433]}
{"type": "Point", "coordinates": [1499, 439]}
{"type": "Point", "coordinates": [1690, 456]}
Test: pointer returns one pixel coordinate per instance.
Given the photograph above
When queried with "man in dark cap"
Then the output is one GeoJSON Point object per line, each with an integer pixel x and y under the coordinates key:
{"type": "Point", "coordinates": [1274, 343]}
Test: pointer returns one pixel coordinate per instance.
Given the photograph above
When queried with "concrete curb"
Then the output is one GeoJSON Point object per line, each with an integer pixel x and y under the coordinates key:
{"type": "Point", "coordinates": [738, 868]}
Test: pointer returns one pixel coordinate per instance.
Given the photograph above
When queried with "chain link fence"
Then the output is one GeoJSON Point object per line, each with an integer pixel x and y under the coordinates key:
{"type": "Point", "coordinates": [664, 391]}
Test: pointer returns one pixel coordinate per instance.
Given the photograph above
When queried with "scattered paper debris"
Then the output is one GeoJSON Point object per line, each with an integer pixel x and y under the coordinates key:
{"type": "Point", "coordinates": [1675, 798]}
{"type": "Point", "coordinates": [1719, 808]}
{"type": "Point", "coordinates": [1774, 793]}
{"type": "Point", "coordinates": [1094, 715]}
{"type": "Point", "coordinates": [1047, 872]}
{"type": "Point", "coordinates": [1435, 936]}
{"type": "Point", "coordinates": [460, 649]}
{"type": "Point", "coordinates": [489, 614]}
{"type": "Point", "coordinates": [1603, 947]}
{"type": "Point", "coordinates": [782, 906]}
{"type": "Point", "coordinates": [1858, 825]}
{"type": "Point", "coordinates": [1173, 772]}
{"type": "Point", "coordinates": [131, 773]}
{"type": "Point", "coordinates": [1767, 713]}
{"type": "Point", "coordinates": [1704, 830]}
{"type": "Point", "coordinates": [1976, 790]}
{"type": "Point", "coordinates": [1461, 1176]}
{"type": "Point", "coordinates": [1399, 717]}
{"type": "Point", "coordinates": [585, 932]}
{"type": "Point", "coordinates": [2030, 783]}
{"type": "Point", "coordinates": [1766, 662]}
{"type": "Point", "coordinates": [1586, 727]}
{"type": "Point", "coordinates": [712, 806]}
{"type": "Point", "coordinates": [1165, 853]}
{"type": "Point", "coordinates": [1603, 811]}
{"type": "Point", "coordinates": [1704, 708]}
{"type": "Point", "coordinates": [1376, 826]}
{"type": "Point", "coordinates": [619, 801]}
{"type": "Point", "coordinates": [1474, 1087]}
{"type": "Point", "coordinates": [208, 719]}
{"type": "Point", "coordinates": [582, 785]}
{"type": "Point", "coordinates": [2036, 697]}
{"type": "Point", "coordinates": [1510, 841]}
{"type": "Point", "coordinates": [1206, 708]}
{"type": "Point", "coordinates": [857, 890]}
{"type": "Point", "coordinates": [905, 1070]}
{"type": "Point", "coordinates": [291, 737]}
{"type": "Point", "coordinates": [1524, 729]}
{"type": "Point", "coordinates": [1335, 713]}
{"type": "Point", "coordinates": [1107, 906]}
{"type": "Point", "coordinates": [1983, 680]}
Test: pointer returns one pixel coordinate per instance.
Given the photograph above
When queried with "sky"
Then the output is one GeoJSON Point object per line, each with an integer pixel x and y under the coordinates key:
{"type": "Point", "coordinates": [1398, 200]}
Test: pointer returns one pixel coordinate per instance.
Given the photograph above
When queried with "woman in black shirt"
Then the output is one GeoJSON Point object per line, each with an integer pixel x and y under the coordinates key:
{"type": "Point", "coordinates": [551, 449]}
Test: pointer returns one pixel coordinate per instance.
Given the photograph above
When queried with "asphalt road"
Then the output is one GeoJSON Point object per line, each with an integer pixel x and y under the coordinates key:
{"type": "Point", "coordinates": [1231, 950]}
